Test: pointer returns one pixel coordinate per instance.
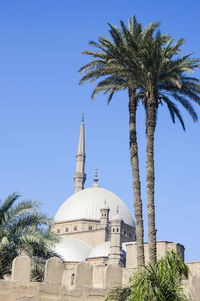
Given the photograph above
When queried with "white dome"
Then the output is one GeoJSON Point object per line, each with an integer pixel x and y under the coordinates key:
{"type": "Point", "coordinates": [86, 204]}
{"type": "Point", "coordinates": [72, 249]}
{"type": "Point", "coordinates": [103, 249]}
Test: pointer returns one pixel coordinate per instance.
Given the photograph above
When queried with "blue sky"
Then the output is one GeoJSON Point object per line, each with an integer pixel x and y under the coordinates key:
{"type": "Point", "coordinates": [41, 105]}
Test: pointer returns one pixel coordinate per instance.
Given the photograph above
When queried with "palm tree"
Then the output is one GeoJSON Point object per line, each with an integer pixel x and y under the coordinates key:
{"type": "Point", "coordinates": [23, 230]}
{"type": "Point", "coordinates": [118, 60]}
{"type": "Point", "coordinates": [153, 71]}
{"type": "Point", "coordinates": [159, 281]}
{"type": "Point", "coordinates": [164, 78]}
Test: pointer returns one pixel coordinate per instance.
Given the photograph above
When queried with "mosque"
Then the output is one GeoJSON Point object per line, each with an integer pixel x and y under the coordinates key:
{"type": "Point", "coordinates": [94, 223]}
{"type": "Point", "coordinates": [97, 247]}
{"type": "Point", "coordinates": [96, 226]}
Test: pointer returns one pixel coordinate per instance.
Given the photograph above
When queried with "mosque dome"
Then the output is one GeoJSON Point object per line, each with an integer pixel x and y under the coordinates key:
{"type": "Point", "coordinates": [103, 249]}
{"type": "Point", "coordinates": [86, 204]}
{"type": "Point", "coordinates": [72, 249]}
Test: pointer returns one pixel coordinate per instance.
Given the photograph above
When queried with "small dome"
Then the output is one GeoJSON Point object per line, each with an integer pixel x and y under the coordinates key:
{"type": "Point", "coordinates": [86, 204]}
{"type": "Point", "coordinates": [72, 249]}
{"type": "Point", "coordinates": [103, 249]}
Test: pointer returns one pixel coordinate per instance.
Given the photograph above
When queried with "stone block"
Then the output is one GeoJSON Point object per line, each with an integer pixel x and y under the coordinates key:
{"type": "Point", "coordinates": [83, 274]}
{"type": "Point", "coordinates": [131, 255]}
{"type": "Point", "coordinates": [21, 268]}
{"type": "Point", "coordinates": [113, 276]}
{"type": "Point", "coordinates": [54, 269]}
{"type": "Point", "coordinates": [98, 276]}
{"type": "Point", "coordinates": [68, 278]}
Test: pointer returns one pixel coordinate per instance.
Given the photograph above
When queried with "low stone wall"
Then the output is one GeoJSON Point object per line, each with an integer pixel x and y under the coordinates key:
{"type": "Point", "coordinates": [84, 282]}
{"type": "Point", "coordinates": [193, 282]}
{"type": "Point", "coordinates": [33, 291]}
{"type": "Point", "coordinates": [60, 283]}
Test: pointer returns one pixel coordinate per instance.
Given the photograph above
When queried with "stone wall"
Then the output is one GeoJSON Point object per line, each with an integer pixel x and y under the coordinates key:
{"type": "Point", "coordinates": [80, 283]}
{"type": "Point", "coordinates": [84, 282]}
{"type": "Point", "coordinates": [162, 248]}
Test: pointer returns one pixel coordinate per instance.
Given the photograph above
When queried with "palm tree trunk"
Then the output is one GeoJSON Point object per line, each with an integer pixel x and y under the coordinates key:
{"type": "Point", "coordinates": [150, 129]}
{"type": "Point", "coordinates": [136, 179]}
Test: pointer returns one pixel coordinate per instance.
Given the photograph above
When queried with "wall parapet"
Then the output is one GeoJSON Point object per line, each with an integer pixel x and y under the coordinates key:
{"type": "Point", "coordinates": [81, 282]}
{"type": "Point", "coordinates": [60, 283]}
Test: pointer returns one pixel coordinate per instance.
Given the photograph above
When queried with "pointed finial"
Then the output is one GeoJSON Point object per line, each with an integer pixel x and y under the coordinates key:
{"type": "Point", "coordinates": [96, 178]}
{"type": "Point", "coordinates": [117, 210]}
{"type": "Point", "coordinates": [96, 175]}
{"type": "Point", "coordinates": [117, 215]}
{"type": "Point", "coordinates": [82, 117]}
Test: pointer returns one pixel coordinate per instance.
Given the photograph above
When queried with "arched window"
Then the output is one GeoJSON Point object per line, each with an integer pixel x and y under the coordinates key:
{"type": "Point", "coordinates": [113, 229]}
{"type": "Point", "coordinates": [58, 230]}
{"type": "Point", "coordinates": [66, 229]}
{"type": "Point", "coordinates": [75, 228]}
{"type": "Point", "coordinates": [90, 227]}
{"type": "Point", "coordinates": [117, 229]}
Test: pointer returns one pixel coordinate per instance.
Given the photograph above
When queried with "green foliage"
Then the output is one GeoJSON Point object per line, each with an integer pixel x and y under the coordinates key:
{"type": "Point", "coordinates": [147, 61]}
{"type": "Point", "coordinates": [23, 230]}
{"type": "Point", "coordinates": [155, 282]}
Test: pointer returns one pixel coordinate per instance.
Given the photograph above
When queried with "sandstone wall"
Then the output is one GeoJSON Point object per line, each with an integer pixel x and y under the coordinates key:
{"type": "Point", "coordinates": [80, 283]}
{"type": "Point", "coordinates": [162, 248]}
{"type": "Point", "coordinates": [60, 283]}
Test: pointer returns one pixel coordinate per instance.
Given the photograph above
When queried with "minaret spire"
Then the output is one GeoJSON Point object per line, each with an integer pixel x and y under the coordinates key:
{"type": "Point", "coordinates": [80, 176]}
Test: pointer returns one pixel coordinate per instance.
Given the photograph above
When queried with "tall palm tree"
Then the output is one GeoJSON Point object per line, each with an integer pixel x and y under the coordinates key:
{"type": "Point", "coordinates": [165, 80]}
{"type": "Point", "coordinates": [23, 230]}
{"type": "Point", "coordinates": [154, 72]}
{"type": "Point", "coordinates": [118, 60]}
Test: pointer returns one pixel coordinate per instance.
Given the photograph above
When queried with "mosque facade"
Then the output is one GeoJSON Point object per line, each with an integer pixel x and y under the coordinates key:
{"type": "Point", "coordinates": [94, 223]}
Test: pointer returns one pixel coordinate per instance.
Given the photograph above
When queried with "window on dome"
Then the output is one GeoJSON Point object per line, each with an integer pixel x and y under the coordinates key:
{"type": "Point", "coordinates": [75, 228]}
{"type": "Point", "coordinates": [58, 230]}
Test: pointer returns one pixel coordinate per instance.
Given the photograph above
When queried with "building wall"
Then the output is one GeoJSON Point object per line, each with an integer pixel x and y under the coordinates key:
{"type": "Point", "coordinates": [92, 232]}
{"type": "Point", "coordinates": [75, 226]}
{"type": "Point", "coordinates": [162, 248]}
{"type": "Point", "coordinates": [93, 238]}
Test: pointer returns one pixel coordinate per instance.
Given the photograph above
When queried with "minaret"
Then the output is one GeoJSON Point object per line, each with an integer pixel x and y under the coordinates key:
{"type": "Point", "coordinates": [104, 219]}
{"type": "Point", "coordinates": [115, 254]}
{"type": "Point", "coordinates": [80, 176]}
